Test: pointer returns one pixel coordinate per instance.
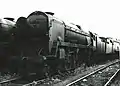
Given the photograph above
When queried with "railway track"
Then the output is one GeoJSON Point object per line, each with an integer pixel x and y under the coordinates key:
{"type": "Point", "coordinates": [73, 80]}
{"type": "Point", "coordinates": [6, 82]}
{"type": "Point", "coordinates": [26, 81]}
{"type": "Point", "coordinates": [22, 81]}
{"type": "Point", "coordinates": [115, 77]}
{"type": "Point", "coordinates": [30, 81]}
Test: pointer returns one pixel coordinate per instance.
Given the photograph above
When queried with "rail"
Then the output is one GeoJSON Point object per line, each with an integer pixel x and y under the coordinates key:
{"type": "Point", "coordinates": [112, 78]}
{"type": "Point", "coordinates": [78, 78]}
{"type": "Point", "coordinates": [9, 80]}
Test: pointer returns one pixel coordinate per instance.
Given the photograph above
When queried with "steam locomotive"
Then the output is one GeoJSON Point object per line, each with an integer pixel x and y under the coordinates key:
{"type": "Point", "coordinates": [6, 25]}
{"type": "Point", "coordinates": [43, 43]}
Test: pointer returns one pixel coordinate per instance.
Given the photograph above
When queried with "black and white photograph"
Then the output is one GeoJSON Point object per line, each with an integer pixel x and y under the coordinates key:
{"type": "Point", "coordinates": [60, 43]}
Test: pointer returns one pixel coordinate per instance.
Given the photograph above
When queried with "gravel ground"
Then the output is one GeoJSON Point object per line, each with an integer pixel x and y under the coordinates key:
{"type": "Point", "coordinates": [7, 76]}
{"type": "Point", "coordinates": [116, 81]}
{"type": "Point", "coordinates": [95, 80]}
{"type": "Point", "coordinates": [59, 78]}
{"type": "Point", "coordinates": [100, 78]}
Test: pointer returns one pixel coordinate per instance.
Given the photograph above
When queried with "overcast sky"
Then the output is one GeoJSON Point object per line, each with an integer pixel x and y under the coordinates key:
{"type": "Point", "coordinates": [99, 16]}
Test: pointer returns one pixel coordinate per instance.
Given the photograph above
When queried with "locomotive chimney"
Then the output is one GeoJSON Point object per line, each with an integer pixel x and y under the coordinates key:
{"type": "Point", "coordinates": [50, 13]}
{"type": "Point", "coordinates": [79, 26]}
{"type": "Point", "coordinates": [11, 19]}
